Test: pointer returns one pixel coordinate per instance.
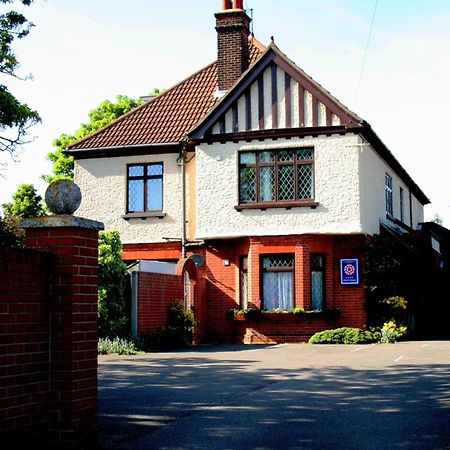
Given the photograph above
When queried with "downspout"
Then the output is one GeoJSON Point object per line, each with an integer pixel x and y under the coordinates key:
{"type": "Point", "coordinates": [183, 200]}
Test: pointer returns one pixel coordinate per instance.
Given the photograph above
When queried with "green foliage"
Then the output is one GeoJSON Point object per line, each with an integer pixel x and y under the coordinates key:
{"type": "Point", "coordinates": [177, 334]}
{"type": "Point", "coordinates": [104, 114]}
{"type": "Point", "coordinates": [15, 117]}
{"type": "Point", "coordinates": [437, 219]}
{"type": "Point", "coordinates": [116, 346]}
{"type": "Point", "coordinates": [113, 320]}
{"type": "Point", "coordinates": [345, 335]}
{"type": "Point", "coordinates": [391, 332]}
{"type": "Point", "coordinates": [11, 234]}
{"type": "Point", "coordinates": [26, 203]}
{"type": "Point", "coordinates": [298, 311]}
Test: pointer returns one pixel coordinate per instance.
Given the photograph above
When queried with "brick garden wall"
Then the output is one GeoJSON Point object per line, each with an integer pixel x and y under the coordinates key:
{"type": "Point", "coordinates": [156, 293]}
{"type": "Point", "coordinates": [48, 328]}
{"type": "Point", "coordinates": [24, 338]}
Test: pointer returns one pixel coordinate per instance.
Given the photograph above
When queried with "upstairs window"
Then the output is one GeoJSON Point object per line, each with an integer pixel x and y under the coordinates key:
{"type": "Point", "coordinates": [144, 187]}
{"type": "Point", "coordinates": [388, 193]}
{"type": "Point", "coordinates": [281, 176]}
{"type": "Point", "coordinates": [402, 206]}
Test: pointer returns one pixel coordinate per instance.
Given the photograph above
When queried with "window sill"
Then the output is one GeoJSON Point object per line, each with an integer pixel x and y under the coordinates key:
{"type": "Point", "coordinates": [269, 205]}
{"type": "Point", "coordinates": [144, 215]}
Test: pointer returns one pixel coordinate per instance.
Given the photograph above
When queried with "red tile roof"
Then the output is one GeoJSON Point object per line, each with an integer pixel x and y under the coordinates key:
{"type": "Point", "coordinates": [168, 117]}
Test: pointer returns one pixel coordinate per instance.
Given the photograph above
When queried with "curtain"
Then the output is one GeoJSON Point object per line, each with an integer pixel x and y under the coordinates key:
{"type": "Point", "coordinates": [277, 290]}
{"type": "Point", "coordinates": [317, 290]}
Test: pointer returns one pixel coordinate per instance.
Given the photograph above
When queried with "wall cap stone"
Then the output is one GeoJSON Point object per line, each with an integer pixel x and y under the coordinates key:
{"type": "Point", "coordinates": [62, 221]}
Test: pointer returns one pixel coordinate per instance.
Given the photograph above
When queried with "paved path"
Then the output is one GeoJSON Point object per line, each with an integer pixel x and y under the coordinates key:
{"type": "Point", "coordinates": [279, 397]}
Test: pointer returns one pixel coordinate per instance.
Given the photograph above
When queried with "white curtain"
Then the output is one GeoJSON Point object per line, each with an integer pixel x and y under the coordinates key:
{"type": "Point", "coordinates": [277, 290]}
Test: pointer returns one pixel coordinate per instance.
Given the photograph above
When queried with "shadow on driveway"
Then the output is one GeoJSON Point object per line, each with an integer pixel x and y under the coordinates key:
{"type": "Point", "coordinates": [279, 397]}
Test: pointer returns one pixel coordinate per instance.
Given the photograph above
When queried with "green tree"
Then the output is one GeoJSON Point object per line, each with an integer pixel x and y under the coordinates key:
{"type": "Point", "coordinates": [113, 318]}
{"type": "Point", "coordinates": [437, 219]}
{"type": "Point", "coordinates": [26, 202]}
{"type": "Point", "coordinates": [15, 117]}
{"type": "Point", "coordinates": [104, 114]}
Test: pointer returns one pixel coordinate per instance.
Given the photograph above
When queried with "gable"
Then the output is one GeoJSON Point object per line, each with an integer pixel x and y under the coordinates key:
{"type": "Point", "coordinates": [275, 94]}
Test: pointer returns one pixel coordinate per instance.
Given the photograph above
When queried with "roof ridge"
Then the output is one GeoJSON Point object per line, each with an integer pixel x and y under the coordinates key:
{"type": "Point", "coordinates": [157, 99]}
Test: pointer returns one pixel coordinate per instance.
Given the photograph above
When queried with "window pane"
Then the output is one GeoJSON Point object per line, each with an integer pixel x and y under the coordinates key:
{"type": "Point", "coordinates": [317, 290]}
{"type": "Point", "coordinates": [305, 154]}
{"type": "Point", "coordinates": [243, 282]}
{"type": "Point", "coordinates": [247, 158]}
{"type": "Point", "coordinates": [278, 261]}
{"type": "Point", "coordinates": [154, 194]}
{"type": "Point", "coordinates": [267, 184]}
{"type": "Point", "coordinates": [286, 155]}
{"type": "Point", "coordinates": [248, 184]}
{"type": "Point", "coordinates": [305, 181]}
{"type": "Point", "coordinates": [154, 169]}
{"type": "Point", "coordinates": [266, 157]}
{"type": "Point", "coordinates": [286, 190]}
{"type": "Point", "coordinates": [277, 290]}
{"type": "Point", "coordinates": [135, 171]}
{"type": "Point", "coordinates": [317, 262]}
{"type": "Point", "coordinates": [136, 195]}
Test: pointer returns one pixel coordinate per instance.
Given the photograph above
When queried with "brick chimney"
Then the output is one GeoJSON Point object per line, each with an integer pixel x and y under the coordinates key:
{"type": "Point", "coordinates": [233, 30]}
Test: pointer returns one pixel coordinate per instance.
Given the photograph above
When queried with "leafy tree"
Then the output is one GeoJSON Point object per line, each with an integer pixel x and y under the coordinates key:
{"type": "Point", "coordinates": [113, 320]}
{"type": "Point", "coordinates": [437, 219]}
{"type": "Point", "coordinates": [15, 117]}
{"type": "Point", "coordinates": [104, 114]}
{"type": "Point", "coordinates": [26, 203]}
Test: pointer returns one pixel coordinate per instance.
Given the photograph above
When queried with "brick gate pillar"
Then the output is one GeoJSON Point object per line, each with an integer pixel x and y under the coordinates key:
{"type": "Point", "coordinates": [73, 243]}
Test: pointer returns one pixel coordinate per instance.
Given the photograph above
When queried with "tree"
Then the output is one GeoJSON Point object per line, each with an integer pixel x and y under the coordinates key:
{"type": "Point", "coordinates": [104, 114]}
{"type": "Point", "coordinates": [112, 314]}
{"type": "Point", "coordinates": [437, 219]}
{"type": "Point", "coordinates": [15, 117]}
{"type": "Point", "coordinates": [26, 203]}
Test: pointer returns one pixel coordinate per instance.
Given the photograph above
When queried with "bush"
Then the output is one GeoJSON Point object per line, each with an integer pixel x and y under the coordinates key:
{"type": "Point", "coordinates": [343, 335]}
{"type": "Point", "coordinates": [116, 346]}
{"type": "Point", "coordinates": [10, 232]}
{"type": "Point", "coordinates": [391, 332]}
{"type": "Point", "coordinates": [177, 334]}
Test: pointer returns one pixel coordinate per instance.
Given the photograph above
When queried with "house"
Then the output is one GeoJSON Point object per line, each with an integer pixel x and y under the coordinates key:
{"type": "Point", "coordinates": [256, 169]}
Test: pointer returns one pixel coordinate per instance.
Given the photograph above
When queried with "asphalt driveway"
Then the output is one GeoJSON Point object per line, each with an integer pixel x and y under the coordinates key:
{"type": "Point", "coordinates": [278, 397]}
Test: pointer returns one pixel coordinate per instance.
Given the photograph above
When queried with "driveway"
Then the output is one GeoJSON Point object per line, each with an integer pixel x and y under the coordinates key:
{"type": "Point", "coordinates": [278, 397]}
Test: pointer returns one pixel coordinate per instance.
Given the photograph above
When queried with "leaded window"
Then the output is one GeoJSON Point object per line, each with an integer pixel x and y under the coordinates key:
{"type": "Point", "coordinates": [388, 193]}
{"type": "Point", "coordinates": [277, 281]}
{"type": "Point", "coordinates": [145, 187]}
{"type": "Point", "coordinates": [276, 176]}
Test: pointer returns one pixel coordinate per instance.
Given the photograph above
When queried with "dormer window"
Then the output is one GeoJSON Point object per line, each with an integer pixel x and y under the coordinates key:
{"type": "Point", "coordinates": [276, 178]}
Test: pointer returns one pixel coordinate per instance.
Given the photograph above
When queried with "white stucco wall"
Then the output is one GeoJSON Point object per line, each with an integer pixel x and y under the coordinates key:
{"type": "Point", "coordinates": [373, 203]}
{"type": "Point", "coordinates": [103, 185]}
{"type": "Point", "coordinates": [336, 189]}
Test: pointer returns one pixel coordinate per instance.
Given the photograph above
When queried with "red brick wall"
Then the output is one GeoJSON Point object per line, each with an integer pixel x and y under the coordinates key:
{"type": "Point", "coordinates": [156, 293]}
{"type": "Point", "coordinates": [48, 313]}
{"type": "Point", "coordinates": [24, 338]}
{"type": "Point", "coordinates": [222, 281]}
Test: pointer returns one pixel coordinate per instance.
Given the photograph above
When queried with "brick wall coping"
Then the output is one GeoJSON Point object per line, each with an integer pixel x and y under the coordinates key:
{"type": "Point", "coordinates": [63, 221]}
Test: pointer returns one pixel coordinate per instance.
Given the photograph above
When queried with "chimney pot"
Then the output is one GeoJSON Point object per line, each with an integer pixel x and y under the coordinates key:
{"type": "Point", "coordinates": [238, 4]}
{"type": "Point", "coordinates": [226, 4]}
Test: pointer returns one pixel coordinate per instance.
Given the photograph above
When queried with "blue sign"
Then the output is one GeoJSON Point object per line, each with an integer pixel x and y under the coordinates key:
{"type": "Point", "coordinates": [349, 271]}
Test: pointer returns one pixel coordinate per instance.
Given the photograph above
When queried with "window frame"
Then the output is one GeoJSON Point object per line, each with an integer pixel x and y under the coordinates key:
{"type": "Point", "coordinates": [402, 205]}
{"type": "Point", "coordinates": [388, 191]}
{"type": "Point", "coordinates": [145, 212]}
{"type": "Point", "coordinates": [243, 285]}
{"type": "Point", "coordinates": [276, 270]}
{"type": "Point", "coordinates": [276, 164]}
{"type": "Point", "coordinates": [323, 270]}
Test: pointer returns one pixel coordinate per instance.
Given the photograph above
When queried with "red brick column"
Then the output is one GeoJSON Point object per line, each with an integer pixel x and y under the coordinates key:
{"type": "Point", "coordinates": [73, 305]}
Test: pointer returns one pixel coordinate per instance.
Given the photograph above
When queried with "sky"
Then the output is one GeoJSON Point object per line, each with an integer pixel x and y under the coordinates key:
{"type": "Point", "coordinates": [82, 52]}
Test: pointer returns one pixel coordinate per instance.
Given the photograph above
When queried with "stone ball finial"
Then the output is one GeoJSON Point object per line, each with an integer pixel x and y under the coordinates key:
{"type": "Point", "coordinates": [63, 197]}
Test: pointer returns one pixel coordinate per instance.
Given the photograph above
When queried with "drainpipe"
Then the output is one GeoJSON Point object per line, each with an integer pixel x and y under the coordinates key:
{"type": "Point", "coordinates": [183, 201]}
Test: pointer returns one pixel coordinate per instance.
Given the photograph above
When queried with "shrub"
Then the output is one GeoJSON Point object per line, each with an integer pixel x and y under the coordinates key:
{"type": "Point", "coordinates": [113, 320]}
{"type": "Point", "coordinates": [391, 332]}
{"type": "Point", "coordinates": [343, 335]}
{"type": "Point", "coordinates": [177, 334]}
{"type": "Point", "coordinates": [116, 346]}
{"type": "Point", "coordinates": [10, 232]}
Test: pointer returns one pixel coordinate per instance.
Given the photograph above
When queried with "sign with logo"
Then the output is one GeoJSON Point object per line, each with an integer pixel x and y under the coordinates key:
{"type": "Point", "coordinates": [349, 271]}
